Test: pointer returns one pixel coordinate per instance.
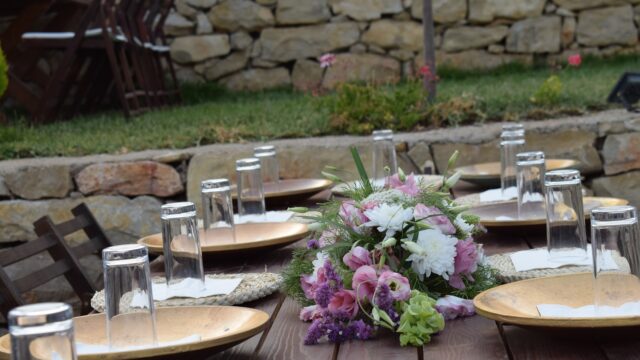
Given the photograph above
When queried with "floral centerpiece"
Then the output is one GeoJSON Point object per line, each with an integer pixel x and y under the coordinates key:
{"type": "Point", "coordinates": [400, 257]}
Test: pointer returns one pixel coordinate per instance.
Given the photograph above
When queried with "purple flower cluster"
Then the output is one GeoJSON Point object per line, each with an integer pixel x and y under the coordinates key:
{"type": "Point", "coordinates": [384, 301]}
{"type": "Point", "coordinates": [338, 328]}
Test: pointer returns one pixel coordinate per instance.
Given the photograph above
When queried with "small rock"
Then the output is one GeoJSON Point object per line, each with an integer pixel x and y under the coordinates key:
{"type": "Point", "coordinates": [625, 186]}
{"type": "Point", "coordinates": [469, 37]}
{"type": "Point", "coordinates": [476, 59]}
{"type": "Point", "coordinates": [240, 40]}
{"type": "Point", "coordinates": [611, 50]}
{"type": "Point", "coordinates": [4, 191]}
{"type": "Point", "coordinates": [565, 12]}
{"type": "Point", "coordinates": [295, 12]}
{"type": "Point", "coordinates": [621, 152]}
{"type": "Point", "coordinates": [233, 15]}
{"type": "Point", "coordinates": [177, 25]}
{"type": "Point", "coordinates": [607, 26]}
{"type": "Point", "coordinates": [444, 11]}
{"type": "Point", "coordinates": [362, 67]}
{"type": "Point", "coordinates": [184, 9]}
{"type": "Point", "coordinates": [568, 31]}
{"type": "Point", "coordinates": [267, 2]}
{"type": "Point", "coordinates": [257, 79]}
{"type": "Point", "coordinates": [375, 49]}
{"type": "Point", "coordinates": [232, 63]}
{"type": "Point", "coordinates": [587, 4]}
{"type": "Point", "coordinates": [306, 75]}
{"type": "Point", "coordinates": [190, 49]}
{"type": "Point", "coordinates": [550, 8]}
{"type": "Point", "coordinates": [402, 16]}
{"type": "Point", "coordinates": [172, 157]}
{"type": "Point", "coordinates": [535, 35]}
{"type": "Point", "coordinates": [203, 24]}
{"type": "Point", "coordinates": [39, 182]}
{"type": "Point", "coordinates": [358, 48]}
{"type": "Point", "coordinates": [484, 11]}
{"type": "Point", "coordinates": [187, 75]}
{"type": "Point", "coordinates": [365, 9]}
{"type": "Point", "coordinates": [202, 4]}
{"type": "Point", "coordinates": [339, 18]}
{"type": "Point", "coordinates": [130, 178]}
{"type": "Point", "coordinates": [261, 63]}
{"type": "Point", "coordinates": [401, 54]}
{"type": "Point", "coordinates": [496, 49]}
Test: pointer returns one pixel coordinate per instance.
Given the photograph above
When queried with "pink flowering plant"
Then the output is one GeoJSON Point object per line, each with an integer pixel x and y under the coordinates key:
{"type": "Point", "coordinates": [399, 256]}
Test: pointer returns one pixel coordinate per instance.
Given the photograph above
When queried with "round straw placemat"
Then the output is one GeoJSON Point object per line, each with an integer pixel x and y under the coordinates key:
{"type": "Point", "coordinates": [507, 272]}
{"type": "Point", "coordinates": [254, 286]}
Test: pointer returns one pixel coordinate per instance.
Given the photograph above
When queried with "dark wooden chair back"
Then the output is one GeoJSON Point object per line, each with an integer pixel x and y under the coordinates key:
{"type": "Point", "coordinates": [64, 264]}
{"type": "Point", "coordinates": [84, 221]}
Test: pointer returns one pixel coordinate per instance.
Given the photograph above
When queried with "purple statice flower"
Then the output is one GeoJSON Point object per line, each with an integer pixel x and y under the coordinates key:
{"type": "Point", "coordinates": [383, 297]}
{"type": "Point", "coordinates": [338, 332]}
{"type": "Point", "coordinates": [313, 244]}
{"type": "Point", "coordinates": [361, 331]}
{"type": "Point", "coordinates": [333, 278]}
{"type": "Point", "coordinates": [323, 295]}
{"type": "Point", "coordinates": [315, 332]}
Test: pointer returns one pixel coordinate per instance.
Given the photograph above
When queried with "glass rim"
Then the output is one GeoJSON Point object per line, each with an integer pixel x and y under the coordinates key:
{"type": "Point", "coordinates": [178, 209]}
{"type": "Point", "coordinates": [530, 157]}
{"type": "Point", "coordinates": [215, 185]}
{"type": "Point", "coordinates": [615, 214]}
{"type": "Point", "coordinates": [124, 252]}
{"type": "Point", "coordinates": [382, 134]}
{"type": "Point", "coordinates": [39, 314]}
{"type": "Point", "coordinates": [512, 126]}
{"type": "Point", "coordinates": [562, 176]}
{"type": "Point", "coordinates": [248, 164]}
{"type": "Point", "coordinates": [263, 151]}
{"type": "Point", "coordinates": [512, 134]}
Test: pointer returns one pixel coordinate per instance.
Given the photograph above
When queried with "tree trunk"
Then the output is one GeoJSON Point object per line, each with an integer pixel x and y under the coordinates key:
{"type": "Point", "coordinates": [429, 50]}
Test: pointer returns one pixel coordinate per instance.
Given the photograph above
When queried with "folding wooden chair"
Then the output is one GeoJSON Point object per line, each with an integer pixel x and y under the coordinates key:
{"type": "Point", "coordinates": [64, 264]}
{"type": "Point", "coordinates": [83, 221]}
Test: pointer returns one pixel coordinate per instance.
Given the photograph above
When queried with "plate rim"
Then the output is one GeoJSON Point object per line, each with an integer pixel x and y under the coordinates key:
{"type": "Point", "coordinates": [323, 185]}
{"type": "Point", "coordinates": [532, 222]}
{"type": "Point", "coordinates": [214, 249]}
{"type": "Point", "coordinates": [175, 348]}
{"type": "Point", "coordinates": [568, 323]}
{"type": "Point", "coordinates": [471, 176]}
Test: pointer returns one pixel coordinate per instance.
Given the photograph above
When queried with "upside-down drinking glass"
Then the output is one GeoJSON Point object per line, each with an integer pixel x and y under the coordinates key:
{"type": "Point", "coordinates": [530, 177]}
{"type": "Point", "coordinates": [128, 297]}
{"type": "Point", "coordinates": [218, 210]}
{"type": "Point", "coordinates": [511, 143]}
{"type": "Point", "coordinates": [384, 154]}
{"type": "Point", "coordinates": [566, 236]}
{"type": "Point", "coordinates": [181, 245]}
{"type": "Point", "coordinates": [250, 187]}
{"type": "Point", "coordinates": [268, 163]}
{"type": "Point", "coordinates": [512, 127]}
{"type": "Point", "coordinates": [614, 234]}
{"type": "Point", "coordinates": [42, 331]}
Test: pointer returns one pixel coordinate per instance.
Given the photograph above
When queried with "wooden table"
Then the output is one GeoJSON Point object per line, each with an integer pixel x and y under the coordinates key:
{"type": "Point", "coordinates": [470, 338]}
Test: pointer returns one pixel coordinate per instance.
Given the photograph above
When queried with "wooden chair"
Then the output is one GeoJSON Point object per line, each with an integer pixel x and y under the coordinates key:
{"type": "Point", "coordinates": [83, 221]}
{"type": "Point", "coordinates": [64, 264]}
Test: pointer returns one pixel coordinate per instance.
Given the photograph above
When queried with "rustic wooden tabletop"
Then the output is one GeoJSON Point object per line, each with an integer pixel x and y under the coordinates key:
{"type": "Point", "coordinates": [469, 338]}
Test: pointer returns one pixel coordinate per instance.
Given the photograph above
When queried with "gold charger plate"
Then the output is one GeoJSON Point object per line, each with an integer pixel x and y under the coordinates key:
{"type": "Point", "coordinates": [488, 174]}
{"type": "Point", "coordinates": [219, 327]}
{"type": "Point", "coordinates": [489, 213]}
{"type": "Point", "coordinates": [293, 188]}
{"type": "Point", "coordinates": [515, 303]}
{"type": "Point", "coordinates": [250, 236]}
{"type": "Point", "coordinates": [426, 180]}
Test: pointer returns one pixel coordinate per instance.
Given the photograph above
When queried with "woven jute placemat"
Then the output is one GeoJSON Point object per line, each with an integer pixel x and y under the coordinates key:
{"type": "Point", "coordinates": [254, 286]}
{"type": "Point", "coordinates": [507, 272]}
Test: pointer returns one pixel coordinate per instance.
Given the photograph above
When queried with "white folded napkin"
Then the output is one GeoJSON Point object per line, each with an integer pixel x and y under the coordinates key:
{"type": "Point", "coordinates": [191, 288]}
{"type": "Point", "coordinates": [269, 216]}
{"type": "Point", "coordinates": [84, 349]}
{"type": "Point", "coordinates": [589, 311]}
{"type": "Point", "coordinates": [494, 195]}
{"type": "Point", "coordinates": [539, 259]}
{"type": "Point", "coordinates": [504, 218]}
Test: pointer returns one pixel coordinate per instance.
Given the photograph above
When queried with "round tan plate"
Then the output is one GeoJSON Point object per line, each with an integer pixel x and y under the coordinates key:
{"type": "Point", "coordinates": [218, 326]}
{"type": "Point", "coordinates": [488, 174]}
{"type": "Point", "coordinates": [515, 303]}
{"type": "Point", "coordinates": [341, 189]}
{"type": "Point", "coordinates": [293, 188]}
{"type": "Point", "coordinates": [489, 213]}
{"type": "Point", "coordinates": [249, 236]}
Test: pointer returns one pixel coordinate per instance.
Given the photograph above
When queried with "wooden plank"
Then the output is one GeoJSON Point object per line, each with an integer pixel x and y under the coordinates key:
{"type": "Point", "coordinates": [385, 346]}
{"type": "Point", "coordinates": [543, 344]}
{"type": "Point", "coordinates": [469, 338]}
{"type": "Point", "coordinates": [498, 243]}
{"type": "Point", "coordinates": [286, 338]}
{"type": "Point", "coordinates": [627, 346]}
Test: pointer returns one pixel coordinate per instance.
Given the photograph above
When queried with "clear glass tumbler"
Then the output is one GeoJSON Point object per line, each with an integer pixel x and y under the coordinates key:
{"type": "Point", "coordinates": [615, 234]}
{"type": "Point", "coordinates": [181, 245]}
{"type": "Point", "coordinates": [566, 236]}
{"type": "Point", "coordinates": [530, 177]}
{"type": "Point", "coordinates": [128, 297]}
{"type": "Point", "coordinates": [268, 163]}
{"type": "Point", "coordinates": [512, 127]}
{"type": "Point", "coordinates": [384, 154]}
{"type": "Point", "coordinates": [511, 143]}
{"type": "Point", "coordinates": [250, 187]}
{"type": "Point", "coordinates": [218, 210]}
{"type": "Point", "coordinates": [42, 331]}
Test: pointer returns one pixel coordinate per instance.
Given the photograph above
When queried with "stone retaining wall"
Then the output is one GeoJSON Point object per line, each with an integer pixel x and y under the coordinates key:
{"type": "Point", "coordinates": [257, 44]}
{"type": "Point", "coordinates": [125, 191]}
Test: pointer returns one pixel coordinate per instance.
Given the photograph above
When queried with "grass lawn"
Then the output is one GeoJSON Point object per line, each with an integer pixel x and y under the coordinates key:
{"type": "Point", "coordinates": [211, 115]}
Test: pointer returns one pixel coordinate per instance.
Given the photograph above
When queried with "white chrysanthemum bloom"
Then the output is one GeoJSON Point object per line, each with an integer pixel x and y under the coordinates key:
{"type": "Point", "coordinates": [463, 225]}
{"type": "Point", "coordinates": [318, 262]}
{"type": "Point", "coordinates": [438, 256]}
{"type": "Point", "coordinates": [391, 196]}
{"type": "Point", "coordinates": [388, 218]}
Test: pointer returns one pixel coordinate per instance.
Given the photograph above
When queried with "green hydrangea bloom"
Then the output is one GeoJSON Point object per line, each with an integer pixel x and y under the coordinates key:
{"type": "Point", "coordinates": [419, 320]}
